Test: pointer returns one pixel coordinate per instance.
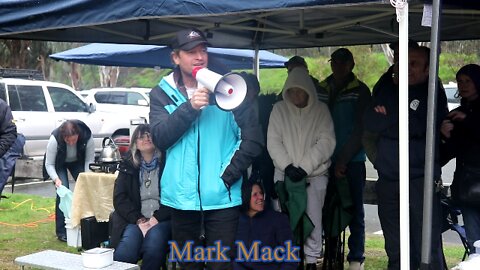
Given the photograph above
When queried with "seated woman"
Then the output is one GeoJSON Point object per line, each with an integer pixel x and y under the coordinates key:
{"type": "Point", "coordinates": [259, 224]}
{"type": "Point", "coordinates": [140, 225]}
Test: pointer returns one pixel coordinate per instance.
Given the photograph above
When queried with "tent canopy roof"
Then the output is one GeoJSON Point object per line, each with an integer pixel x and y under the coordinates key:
{"type": "Point", "coordinates": [229, 23]}
{"type": "Point", "coordinates": [134, 55]}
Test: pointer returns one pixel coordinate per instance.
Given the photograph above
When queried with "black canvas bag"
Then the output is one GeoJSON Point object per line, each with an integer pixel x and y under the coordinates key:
{"type": "Point", "coordinates": [93, 232]}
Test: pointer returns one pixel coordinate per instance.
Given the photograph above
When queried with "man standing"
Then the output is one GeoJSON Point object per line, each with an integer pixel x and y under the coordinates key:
{"type": "Point", "coordinates": [207, 151]}
{"type": "Point", "coordinates": [382, 118]}
{"type": "Point", "coordinates": [8, 135]}
{"type": "Point", "coordinates": [301, 140]}
{"type": "Point", "coordinates": [347, 97]}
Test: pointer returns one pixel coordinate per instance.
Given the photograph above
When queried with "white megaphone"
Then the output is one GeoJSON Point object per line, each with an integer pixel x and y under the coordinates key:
{"type": "Point", "coordinates": [230, 89]}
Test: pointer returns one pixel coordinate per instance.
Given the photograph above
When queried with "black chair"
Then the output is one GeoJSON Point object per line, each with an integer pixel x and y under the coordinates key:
{"type": "Point", "coordinates": [450, 222]}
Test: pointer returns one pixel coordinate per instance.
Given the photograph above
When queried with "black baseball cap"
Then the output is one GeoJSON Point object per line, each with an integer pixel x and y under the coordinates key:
{"type": "Point", "coordinates": [411, 44]}
{"type": "Point", "coordinates": [188, 39]}
{"type": "Point", "coordinates": [343, 55]}
{"type": "Point", "coordinates": [296, 60]}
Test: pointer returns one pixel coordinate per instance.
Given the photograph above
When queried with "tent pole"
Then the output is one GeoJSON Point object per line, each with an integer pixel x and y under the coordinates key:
{"type": "Point", "coordinates": [256, 63]}
{"type": "Point", "coordinates": [430, 140]}
{"type": "Point", "coordinates": [402, 18]}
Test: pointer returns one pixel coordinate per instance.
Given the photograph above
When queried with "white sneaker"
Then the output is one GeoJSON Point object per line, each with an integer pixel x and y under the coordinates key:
{"type": "Point", "coordinates": [355, 266]}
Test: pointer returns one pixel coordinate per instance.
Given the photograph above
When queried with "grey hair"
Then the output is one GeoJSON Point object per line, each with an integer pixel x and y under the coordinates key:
{"type": "Point", "coordinates": [135, 154]}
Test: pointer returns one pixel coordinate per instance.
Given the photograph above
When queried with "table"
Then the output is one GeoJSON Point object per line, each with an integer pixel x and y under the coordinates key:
{"type": "Point", "coordinates": [58, 260]}
{"type": "Point", "coordinates": [93, 196]}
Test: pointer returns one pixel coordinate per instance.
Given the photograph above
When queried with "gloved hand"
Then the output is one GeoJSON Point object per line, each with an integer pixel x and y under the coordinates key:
{"type": "Point", "coordinates": [301, 173]}
{"type": "Point", "coordinates": [291, 171]}
{"type": "Point", "coordinates": [295, 174]}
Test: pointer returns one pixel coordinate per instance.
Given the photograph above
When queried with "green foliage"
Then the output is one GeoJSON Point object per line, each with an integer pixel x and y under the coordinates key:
{"type": "Point", "coordinates": [369, 66]}
{"type": "Point", "coordinates": [138, 77]}
{"type": "Point", "coordinates": [450, 63]}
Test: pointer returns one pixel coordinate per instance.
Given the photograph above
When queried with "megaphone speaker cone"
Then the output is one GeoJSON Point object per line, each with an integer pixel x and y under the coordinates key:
{"type": "Point", "coordinates": [236, 96]}
{"type": "Point", "coordinates": [230, 90]}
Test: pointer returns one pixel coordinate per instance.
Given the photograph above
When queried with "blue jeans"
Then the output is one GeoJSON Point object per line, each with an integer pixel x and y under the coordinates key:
{"type": "Point", "coordinates": [356, 174]}
{"type": "Point", "coordinates": [219, 225]}
{"type": "Point", "coordinates": [152, 248]}
{"type": "Point", "coordinates": [471, 221]}
{"type": "Point", "coordinates": [75, 169]}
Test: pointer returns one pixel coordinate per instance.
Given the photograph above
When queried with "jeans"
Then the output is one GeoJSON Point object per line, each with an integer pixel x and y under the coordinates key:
{"type": "Point", "coordinates": [75, 168]}
{"type": "Point", "coordinates": [471, 221]}
{"type": "Point", "coordinates": [356, 174]}
{"type": "Point", "coordinates": [219, 225]}
{"type": "Point", "coordinates": [152, 248]}
{"type": "Point", "coordinates": [388, 196]}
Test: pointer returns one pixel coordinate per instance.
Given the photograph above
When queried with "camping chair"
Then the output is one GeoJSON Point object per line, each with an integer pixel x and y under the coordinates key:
{"type": "Point", "coordinates": [336, 217]}
{"type": "Point", "coordinates": [450, 222]}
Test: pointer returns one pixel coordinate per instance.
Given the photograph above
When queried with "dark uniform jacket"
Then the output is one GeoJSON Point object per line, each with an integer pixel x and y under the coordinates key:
{"type": "Point", "coordinates": [387, 126]}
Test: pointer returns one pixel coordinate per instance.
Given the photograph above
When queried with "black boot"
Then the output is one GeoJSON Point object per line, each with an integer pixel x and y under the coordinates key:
{"type": "Point", "coordinates": [311, 266]}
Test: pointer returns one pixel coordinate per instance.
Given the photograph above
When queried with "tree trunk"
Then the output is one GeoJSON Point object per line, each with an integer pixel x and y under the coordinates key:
{"type": "Point", "coordinates": [108, 76]}
{"type": "Point", "coordinates": [75, 76]}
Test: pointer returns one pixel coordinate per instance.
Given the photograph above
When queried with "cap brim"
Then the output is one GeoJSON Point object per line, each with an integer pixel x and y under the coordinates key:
{"type": "Point", "coordinates": [193, 44]}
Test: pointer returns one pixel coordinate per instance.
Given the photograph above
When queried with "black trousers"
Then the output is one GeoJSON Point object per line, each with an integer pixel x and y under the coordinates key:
{"type": "Point", "coordinates": [388, 196]}
{"type": "Point", "coordinates": [75, 168]}
{"type": "Point", "coordinates": [219, 225]}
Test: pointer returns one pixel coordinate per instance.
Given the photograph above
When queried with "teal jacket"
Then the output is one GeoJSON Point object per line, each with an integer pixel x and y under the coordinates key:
{"type": "Point", "coordinates": [206, 150]}
{"type": "Point", "coordinates": [347, 107]}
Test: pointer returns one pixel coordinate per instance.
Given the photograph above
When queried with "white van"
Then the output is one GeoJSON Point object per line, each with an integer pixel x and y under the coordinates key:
{"type": "Point", "coordinates": [119, 99]}
{"type": "Point", "coordinates": [38, 107]}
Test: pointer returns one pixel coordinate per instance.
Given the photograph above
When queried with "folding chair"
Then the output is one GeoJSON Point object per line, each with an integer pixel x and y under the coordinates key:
{"type": "Point", "coordinates": [450, 215]}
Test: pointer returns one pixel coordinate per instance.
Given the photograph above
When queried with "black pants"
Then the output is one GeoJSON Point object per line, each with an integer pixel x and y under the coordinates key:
{"type": "Point", "coordinates": [388, 195]}
{"type": "Point", "coordinates": [75, 168]}
{"type": "Point", "coordinates": [219, 225]}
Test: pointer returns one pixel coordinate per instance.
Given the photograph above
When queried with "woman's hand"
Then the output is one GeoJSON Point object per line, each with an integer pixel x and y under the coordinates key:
{"type": "Point", "coordinates": [457, 115]}
{"type": "Point", "coordinates": [153, 221]}
{"type": "Point", "coordinates": [144, 227]}
{"type": "Point", "coordinates": [57, 182]}
{"type": "Point", "coordinates": [446, 128]}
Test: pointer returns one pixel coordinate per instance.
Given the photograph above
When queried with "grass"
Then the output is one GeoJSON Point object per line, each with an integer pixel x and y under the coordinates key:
{"type": "Point", "coordinates": [27, 225]}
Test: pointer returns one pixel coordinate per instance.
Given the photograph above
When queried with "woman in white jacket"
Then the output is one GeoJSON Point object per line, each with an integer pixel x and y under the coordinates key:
{"type": "Point", "coordinates": [301, 140]}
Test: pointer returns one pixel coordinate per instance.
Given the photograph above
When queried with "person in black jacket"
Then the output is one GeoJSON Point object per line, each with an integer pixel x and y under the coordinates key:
{"type": "Point", "coordinates": [71, 148]}
{"type": "Point", "coordinates": [382, 118]}
{"type": "Point", "coordinates": [461, 139]}
{"type": "Point", "coordinates": [8, 134]}
{"type": "Point", "coordinates": [256, 223]}
{"type": "Point", "coordinates": [141, 226]}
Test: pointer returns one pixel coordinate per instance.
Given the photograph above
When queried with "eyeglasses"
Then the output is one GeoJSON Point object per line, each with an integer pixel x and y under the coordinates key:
{"type": "Point", "coordinates": [146, 136]}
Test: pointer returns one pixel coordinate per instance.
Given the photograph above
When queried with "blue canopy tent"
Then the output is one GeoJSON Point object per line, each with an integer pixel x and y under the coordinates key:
{"type": "Point", "coordinates": [133, 55]}
{"type": "Point", "coordinates": [239, 24]}
{"type": "Point", "coordinates": [230, 23]}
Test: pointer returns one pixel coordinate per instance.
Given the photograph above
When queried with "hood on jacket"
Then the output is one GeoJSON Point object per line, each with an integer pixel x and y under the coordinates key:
{"type": "Point", "coordinates": [299, 77]}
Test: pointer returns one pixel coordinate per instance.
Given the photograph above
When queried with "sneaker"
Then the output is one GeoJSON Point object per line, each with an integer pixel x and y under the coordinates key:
{"type": "Point", "coordinates": [62, 238]}
{"type": "Point", "coordinates": [355, 266]}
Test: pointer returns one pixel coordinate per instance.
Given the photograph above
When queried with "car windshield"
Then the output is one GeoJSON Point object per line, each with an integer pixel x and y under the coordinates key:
{"type": "Point", "coordinates": [452, 95]}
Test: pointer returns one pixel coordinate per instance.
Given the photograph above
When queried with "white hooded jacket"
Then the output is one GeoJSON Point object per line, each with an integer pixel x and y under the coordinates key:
{"type": "Point", "coordinates": [303, 137]}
